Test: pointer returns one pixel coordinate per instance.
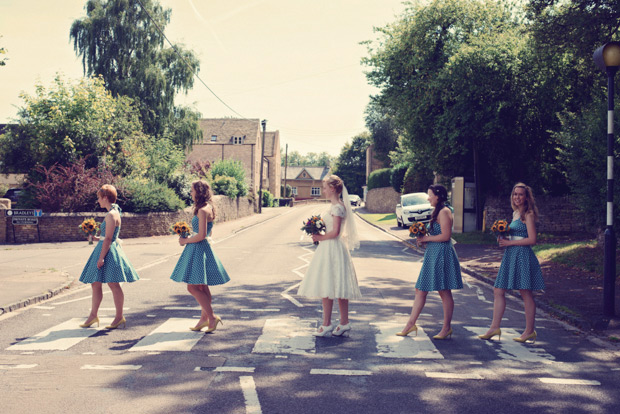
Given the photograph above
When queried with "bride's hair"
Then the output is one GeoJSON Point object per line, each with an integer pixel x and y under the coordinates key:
{"type": "Point", "coordinates": [335, 182]}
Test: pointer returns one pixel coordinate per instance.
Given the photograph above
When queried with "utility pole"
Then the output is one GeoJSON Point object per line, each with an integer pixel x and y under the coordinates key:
{"type": "Point", "coordinates": [285, 165]}
{"type": "Point", "coordinates": [262, 157]}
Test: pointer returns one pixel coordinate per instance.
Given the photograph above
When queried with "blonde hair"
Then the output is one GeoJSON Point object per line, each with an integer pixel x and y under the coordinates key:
{"type": "Point", "coordinates": [530, 202]}
{"type": "Point", "coordinates": [204, 196]}
{"type": "Point", "coordinates": [107, 191]}
{"type": "Point", "coordinates": [335, 182]}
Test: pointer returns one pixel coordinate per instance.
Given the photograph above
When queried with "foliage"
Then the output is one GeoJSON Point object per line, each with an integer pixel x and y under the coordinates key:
{"type": "Point", "coordinates": [68, 188]}
{"type": "Point", "coordinates": [181, 183]}
{"type": "Point", "coordinates": [351, 163]}
{"type": "Point", "coordinates": [383, 133]}
{"type": "Point", "coordinates": [201, 169]}
{"type": "Point", "coordinates": [3, 189]}
{"type": "Point", "coordinates": [139, 195]}
{"type": "Point", "coordinates": [267, 198]}
{"type": "Point", "coordinates": [312, 159]}
{"type": "Point", "coordinates": [397, 176]}
{"type": "Point", "coordinates": [234, 169]}
{"type": "Point", "coordinates": [379, 178]}
{"type": "Point", "coordinates": [66, 122]}
{"type": "Point", "coordinates": [289, 191]}
{"type": "Point", "coordinates": [225, 185]}
{"type": "Point", "coordinates": [3, 60]}
{"type": "Point", "coordinates": [183, 128]}
{"type": "Point", "coordinates": [417, 178]}
{"type": "Point", "coordinates": [118, 40]}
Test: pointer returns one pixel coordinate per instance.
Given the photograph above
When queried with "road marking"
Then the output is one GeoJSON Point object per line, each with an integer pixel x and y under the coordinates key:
{"type": "Point", "coordinates": [481, 318]}
{"type": "Point", "coordinates": [27, 353]}
{"type": "Point", "coordinates": [182, 308]}
{"type": "Point", "coordinates": [234, 369]}
{"type": "Point", "coordinates": [60, 337]}
{"type": "Point", "coordinates": [172, 335]}
{"type": "Point", "coordinates": [151, 316]}
{"type": "Point", "coordinates": [347, 372]}
{"type": "Point", "coordinates": [112, 309]}
{"type": "Point", "coordinates": [76, 300]}
{"type": "Point", "coordinates": [260, 310]}
{"type": "Point", "coordinates": [17, 366]}
{"type": "Point", "coordinates": [44, 307]}
{"type": "Point", "coordinates": [290, 298]}
{"type": "Point", "coordinates": [155, 263]}
{"type": "Point", "coordinates": [391, 346]}
{"type": "Point", "coordinates": [452, 375]}
{"type": "Point", "coordinates": [567, 381]}
{"type": "Point", "coordinates": [89, 353]}
{"type": "Point", "coordinates": [510, 350]}
{"type": "Point", "coordinates": [112, 367]}
{"type": "Point", "coordinates": [286, 336]}
{"type": "Point", "coordinates": [252, 404]}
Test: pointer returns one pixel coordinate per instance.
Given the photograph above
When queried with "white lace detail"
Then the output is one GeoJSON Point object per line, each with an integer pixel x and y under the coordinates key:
{"type": "Point", "coordinates": [338, 210]}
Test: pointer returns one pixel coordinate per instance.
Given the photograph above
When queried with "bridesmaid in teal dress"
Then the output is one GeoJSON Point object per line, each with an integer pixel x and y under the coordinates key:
{"type": "Point", "coordinates": [441, 270]}
{"type": "Point", "coordinates": [108, 263]}
{"type": "Point", "coordinates": [198, 265]}
{"type": "Point", "coordinates": [520, 268]}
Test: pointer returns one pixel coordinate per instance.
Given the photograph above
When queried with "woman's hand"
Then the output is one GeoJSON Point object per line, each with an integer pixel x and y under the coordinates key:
{"type": "Point", "coordinates": [100, 263]}
{"type": "Point", "coordinates": [421, 241]}
{"type": "Point", "coordinates": [503, 242]}
{"type": "Point", "coordinates": [317, 237]}
{"type": "Point", "coordinates": [182, 241]}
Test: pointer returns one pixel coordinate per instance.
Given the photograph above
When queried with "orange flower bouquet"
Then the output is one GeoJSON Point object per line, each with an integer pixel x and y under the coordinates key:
{"type": "Point", "coordinates": [314, 225]}
{"type": "Point", "coordinates": [418, 229]}
{"type": "Point", "coordinates": [90, 227]}
{"type": "Point", "coordinates": [181, 228]}
{"type": "Point", "coordinates": [500, 228]}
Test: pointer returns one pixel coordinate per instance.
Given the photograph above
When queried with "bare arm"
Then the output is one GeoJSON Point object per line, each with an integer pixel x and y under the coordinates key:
{"type": "Point", "coordinates": [331, 234]}
{"type": "Point", "coordinates": [445, 221]}
{"type": "Point", "coordinates": [530, 240]}
{"type": "Point", "coordinates": [110, 224]}
{"type": "Point", "coordinates": [203, 215]}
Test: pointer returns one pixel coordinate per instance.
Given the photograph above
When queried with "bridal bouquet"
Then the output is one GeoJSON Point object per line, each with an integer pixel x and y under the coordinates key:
{"type": "Point", "coordinates": [314, 225]}
{"type": "Point", "coordinates": [181, 228]}
{"type": "Point", "coordinates": [418, 229]}
{"type": "Point", "coordinates": [500, 228]}
{"type": "Point", "coordinates": [90, 228]}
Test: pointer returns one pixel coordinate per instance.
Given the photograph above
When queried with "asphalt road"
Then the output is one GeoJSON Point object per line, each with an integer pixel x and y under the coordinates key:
{"type": "Point", "coordinates": [264, 358]}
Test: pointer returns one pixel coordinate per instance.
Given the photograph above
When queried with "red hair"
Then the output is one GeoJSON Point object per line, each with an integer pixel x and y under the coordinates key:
{"type": "Point", "coordinates": [107, 191]}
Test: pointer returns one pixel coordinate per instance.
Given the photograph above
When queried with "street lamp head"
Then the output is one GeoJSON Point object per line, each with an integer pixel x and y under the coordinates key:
{"type": "Point", "coordinates": [263, 123]}
{"type": "Point", "coordinates": [607, 56]}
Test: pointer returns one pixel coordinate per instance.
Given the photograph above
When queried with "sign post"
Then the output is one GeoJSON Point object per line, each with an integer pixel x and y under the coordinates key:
{"type": "Point", "coordinates": [23, 217]}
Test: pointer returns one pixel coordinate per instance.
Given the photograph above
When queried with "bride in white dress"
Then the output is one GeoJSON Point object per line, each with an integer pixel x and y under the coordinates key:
{"type": "Point", "coordinates": [331, 274]}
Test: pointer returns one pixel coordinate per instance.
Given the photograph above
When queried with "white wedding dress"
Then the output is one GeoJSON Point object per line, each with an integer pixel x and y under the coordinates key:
{"type": "Point", "coordinates": [331, 273]}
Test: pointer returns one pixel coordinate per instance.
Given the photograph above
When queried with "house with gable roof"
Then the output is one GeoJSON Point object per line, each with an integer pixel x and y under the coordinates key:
{"type": "Point", "coordinates": [240, 140]}
{"type": "Point", "coordinates": [307, 182]}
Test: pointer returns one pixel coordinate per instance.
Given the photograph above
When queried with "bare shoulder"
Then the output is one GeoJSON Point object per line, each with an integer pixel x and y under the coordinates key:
{"type": "Point", "coordinates": [206, 211]}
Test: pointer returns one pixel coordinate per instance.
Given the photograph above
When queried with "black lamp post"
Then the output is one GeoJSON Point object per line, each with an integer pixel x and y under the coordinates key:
{"type": "Point", "coordinates": [607, 58]}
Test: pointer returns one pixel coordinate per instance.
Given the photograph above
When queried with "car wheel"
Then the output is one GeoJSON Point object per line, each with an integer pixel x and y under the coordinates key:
{"type": "Point", "coordinates": [398, 223]}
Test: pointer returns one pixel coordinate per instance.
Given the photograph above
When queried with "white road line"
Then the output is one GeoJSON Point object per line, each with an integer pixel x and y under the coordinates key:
{"type": "Point", "coordinates": [44, 307]}
{"type": "Point", "coordinates": [17, 366]}
{"type": "Point", "coordinates": [294, 301]}
{"type": "Point", "coordinates": [260, 310]}
{"type": "Point", "coordinates": [234, 369]}
{"type": "Point", "coordinates": [567, 381]}
{"type": "Point", "coordinates": [391, 346]}
{"type": "Point", "coordinates": [172, 335]}
{"type": "Point", "coordinates": [252, 404]}
{"type": "Point", "coordinates": [158, 261]}
{"type": "Point", "coordinates": [182, 308]}
{"type": "Point", "coordinates": [514, 351]}
{"type": "Point", "coordinates": [76, 300]}
{"type": "Point", "coordinates": [452, 375]}
{"type": "Point", "coordinates": [112, 309]}
{"type": "Point", "coordinates": [112, 367]}
{"type": "Point", "coordinates": [347, 372]}
{"type": "Point", "coordinates": [286, 336]}
{"type": "Point", "coordinates": [60, 337]}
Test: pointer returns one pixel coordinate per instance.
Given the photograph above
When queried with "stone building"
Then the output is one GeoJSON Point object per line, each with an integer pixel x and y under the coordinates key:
{"type": "Point", "coordinates": [240, 140]}
{"type": "Point", "coordinates": [306, 182]}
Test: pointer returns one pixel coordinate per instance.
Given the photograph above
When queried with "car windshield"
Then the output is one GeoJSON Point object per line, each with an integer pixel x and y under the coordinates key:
{"type": "Point", "coordinates": [414, 199]}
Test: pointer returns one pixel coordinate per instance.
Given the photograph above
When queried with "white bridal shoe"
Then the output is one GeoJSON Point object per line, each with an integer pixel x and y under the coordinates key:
{"type": "Point", "coordinates": [340, 329]}
{"type": "Point", "coordinates": [324, 330]}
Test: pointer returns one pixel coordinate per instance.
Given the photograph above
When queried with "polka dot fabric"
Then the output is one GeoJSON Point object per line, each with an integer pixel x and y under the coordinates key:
{"type": "Point", "coordinates": [520, 268]}
{"type": "Point", "coordinates": [198, 264]}
{"type": "Point", "coordinates": [116, 267]}
{"type": "Point", "coordinates": [441, 269]}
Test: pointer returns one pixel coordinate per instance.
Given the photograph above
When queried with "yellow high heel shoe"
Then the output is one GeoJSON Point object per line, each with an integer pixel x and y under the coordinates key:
{"type": "Point", "coordinates": [199, 327]}
{"type": "Point", "coordinates": [532, 336]}
{"type": "Point", "coordinates": [88, 325]}
{"type": "Point", "coordinates": [449, 334]}
{"type": "Point", "coordinates": [408, 331]}
{"type": "Point", "coordinates": [492, 334]}
{"type": "Point", "coordinates": [116, 325]}
{"type": "Point", "coordinates": [217, 320]}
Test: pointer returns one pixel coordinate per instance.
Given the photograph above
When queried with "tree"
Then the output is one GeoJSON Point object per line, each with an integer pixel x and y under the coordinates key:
{"type": "Point", "coordinates": [3, 51]}
{"type": "Point", "coordinates": [383, 133]}
{"type": "Point", "coordinates": [119, 41]}
{"type": "Point", "coordinates": [351, 163]}
{"type": "Point", "coordinates": [312, 159]}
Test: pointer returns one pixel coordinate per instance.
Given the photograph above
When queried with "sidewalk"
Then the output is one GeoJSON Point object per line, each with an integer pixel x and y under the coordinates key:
{"type": "Point", "coordinates": [34, 272]}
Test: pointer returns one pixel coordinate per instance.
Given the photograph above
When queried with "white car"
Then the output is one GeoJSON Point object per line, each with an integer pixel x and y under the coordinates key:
{"type": "Point", "coordinates": [413, 207]}
{"type": "Point", "coordinates": [355, 200]}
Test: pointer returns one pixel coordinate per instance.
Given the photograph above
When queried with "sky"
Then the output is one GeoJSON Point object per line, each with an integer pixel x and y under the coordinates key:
{"type": "Point", "coordinates": [295, 63]}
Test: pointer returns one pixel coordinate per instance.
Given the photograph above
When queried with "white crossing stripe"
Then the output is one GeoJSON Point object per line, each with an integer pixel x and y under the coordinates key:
{"type": "Point", "coordinates": [234, 369]}
{"type": "Point", "coordinates": [182, 308]}
{"type": "Point", "coordinates": [252, 404]}
{"type": "Point", "coordinates": [452, 375]}
{"type": "Point", "coordinates": [286, 336]}
{"type": "Point", "coordinates": [44, 307]}
{"type": "Point", "coordinates": [60, 337]}
{"type": "Point", "coordinates": [17, 366]}
{"type": "Point", "coordinates": [260, 310]}
{"type": "Point", "coordinates": [346, 372]}
{"type": "Point", "coordinates": [391, 346]}
{"type": "Point", "coordinates": [567, 381]}
{"type": "Point", "coordinates": [172, 335]}
{"type": "Point", "coordinates": [511, 350]}
{"type": "Point", "coordinates": [113, 367]}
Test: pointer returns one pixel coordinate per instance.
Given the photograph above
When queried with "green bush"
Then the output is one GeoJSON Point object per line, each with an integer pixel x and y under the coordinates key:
{"type": "Point", "coordinates": [397, 176]}
{"type": "Point", "coordinates": [379, 178]}
{"type": "Point", "coordinates": [144, 196]}
{"type": "Point", "coordinates": [289, 191]}
{"type": "Point", "coordinates": [181, 184]}
{"type": "Point", "coordinates": [225, 185]}
{"type": "Point", "coordinates": [417, 178]}
{"type": "Point", "coordinates": [234, 169]}
{"type": "Point", "coordinates": [267, 199]}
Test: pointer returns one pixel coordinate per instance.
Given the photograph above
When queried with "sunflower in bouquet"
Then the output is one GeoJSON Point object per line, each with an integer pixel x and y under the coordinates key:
{"type": "Point", "coordinates": [314, 225]}
{"type": "Point", "coordinates": [89, 227]}
{"type": "Point", "coordinates": [500, 228]}
{"type": "Point", "coordinates": [181, 228]}
{"type": "Point", "coordinates": [418, 229]}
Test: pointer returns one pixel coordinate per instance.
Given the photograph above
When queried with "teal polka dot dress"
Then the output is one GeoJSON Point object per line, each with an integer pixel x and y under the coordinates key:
{"type": "Point", "coordinates": [441, 269]}
{"type": "Point", "coordinates": [198, 265]}
{"type": "Point", "coordinates": [116, 267]}
{"type": "Point", "coordinates": [520, 268]}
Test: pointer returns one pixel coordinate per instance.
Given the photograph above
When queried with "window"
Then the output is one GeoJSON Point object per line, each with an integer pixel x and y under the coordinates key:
{"type": "Point", "coordinates": [316, 191]}
{"type": "Point", "coordinates": [213, 138]}
{"type": "Point", "coordinates": [294, 190]}
{"type": "Point", "coordinates": [238, 140]}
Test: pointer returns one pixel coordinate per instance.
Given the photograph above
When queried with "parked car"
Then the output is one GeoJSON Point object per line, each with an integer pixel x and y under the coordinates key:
{"type": "Point", "coordinates": [13, 195]}
{"type": "Point", "coordinates": [355, 200]}
{"type": "Point", "coordinates": [413, 207]}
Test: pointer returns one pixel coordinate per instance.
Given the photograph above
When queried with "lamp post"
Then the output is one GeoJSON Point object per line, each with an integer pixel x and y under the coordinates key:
{"type": "Point", "coordinates": [262, 157]}
{"type": "Point", "coordinates": [607, 58]}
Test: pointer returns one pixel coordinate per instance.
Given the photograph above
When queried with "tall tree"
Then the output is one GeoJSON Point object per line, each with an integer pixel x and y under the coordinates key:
{"type": "Point", "coordinates": [119, 40]}
{"type": "Point", "coordinates": [3, 51]}
{"type": "Point", "coordinates": [351, 163]}
{"type": "Point", "coordinates": [383, 132]}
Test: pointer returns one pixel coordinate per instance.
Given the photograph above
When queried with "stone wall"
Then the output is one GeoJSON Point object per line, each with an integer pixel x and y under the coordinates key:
{"type": "Point", "coordinates": [382, 200]}
{"type": "Point", "coordinates": [556, 214]}
{"type": "Point", "coordinates": [59, 227]}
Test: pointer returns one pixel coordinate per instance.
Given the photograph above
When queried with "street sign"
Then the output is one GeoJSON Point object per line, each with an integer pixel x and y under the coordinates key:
{"type": "Point", "coordinates": [22, 221]}
{"type": "Point", "coordinates": [24, 213]}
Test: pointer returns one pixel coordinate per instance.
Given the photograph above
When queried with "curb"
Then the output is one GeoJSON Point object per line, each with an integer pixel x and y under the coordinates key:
{"type": "Point", "coordinates": [37, 298]}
